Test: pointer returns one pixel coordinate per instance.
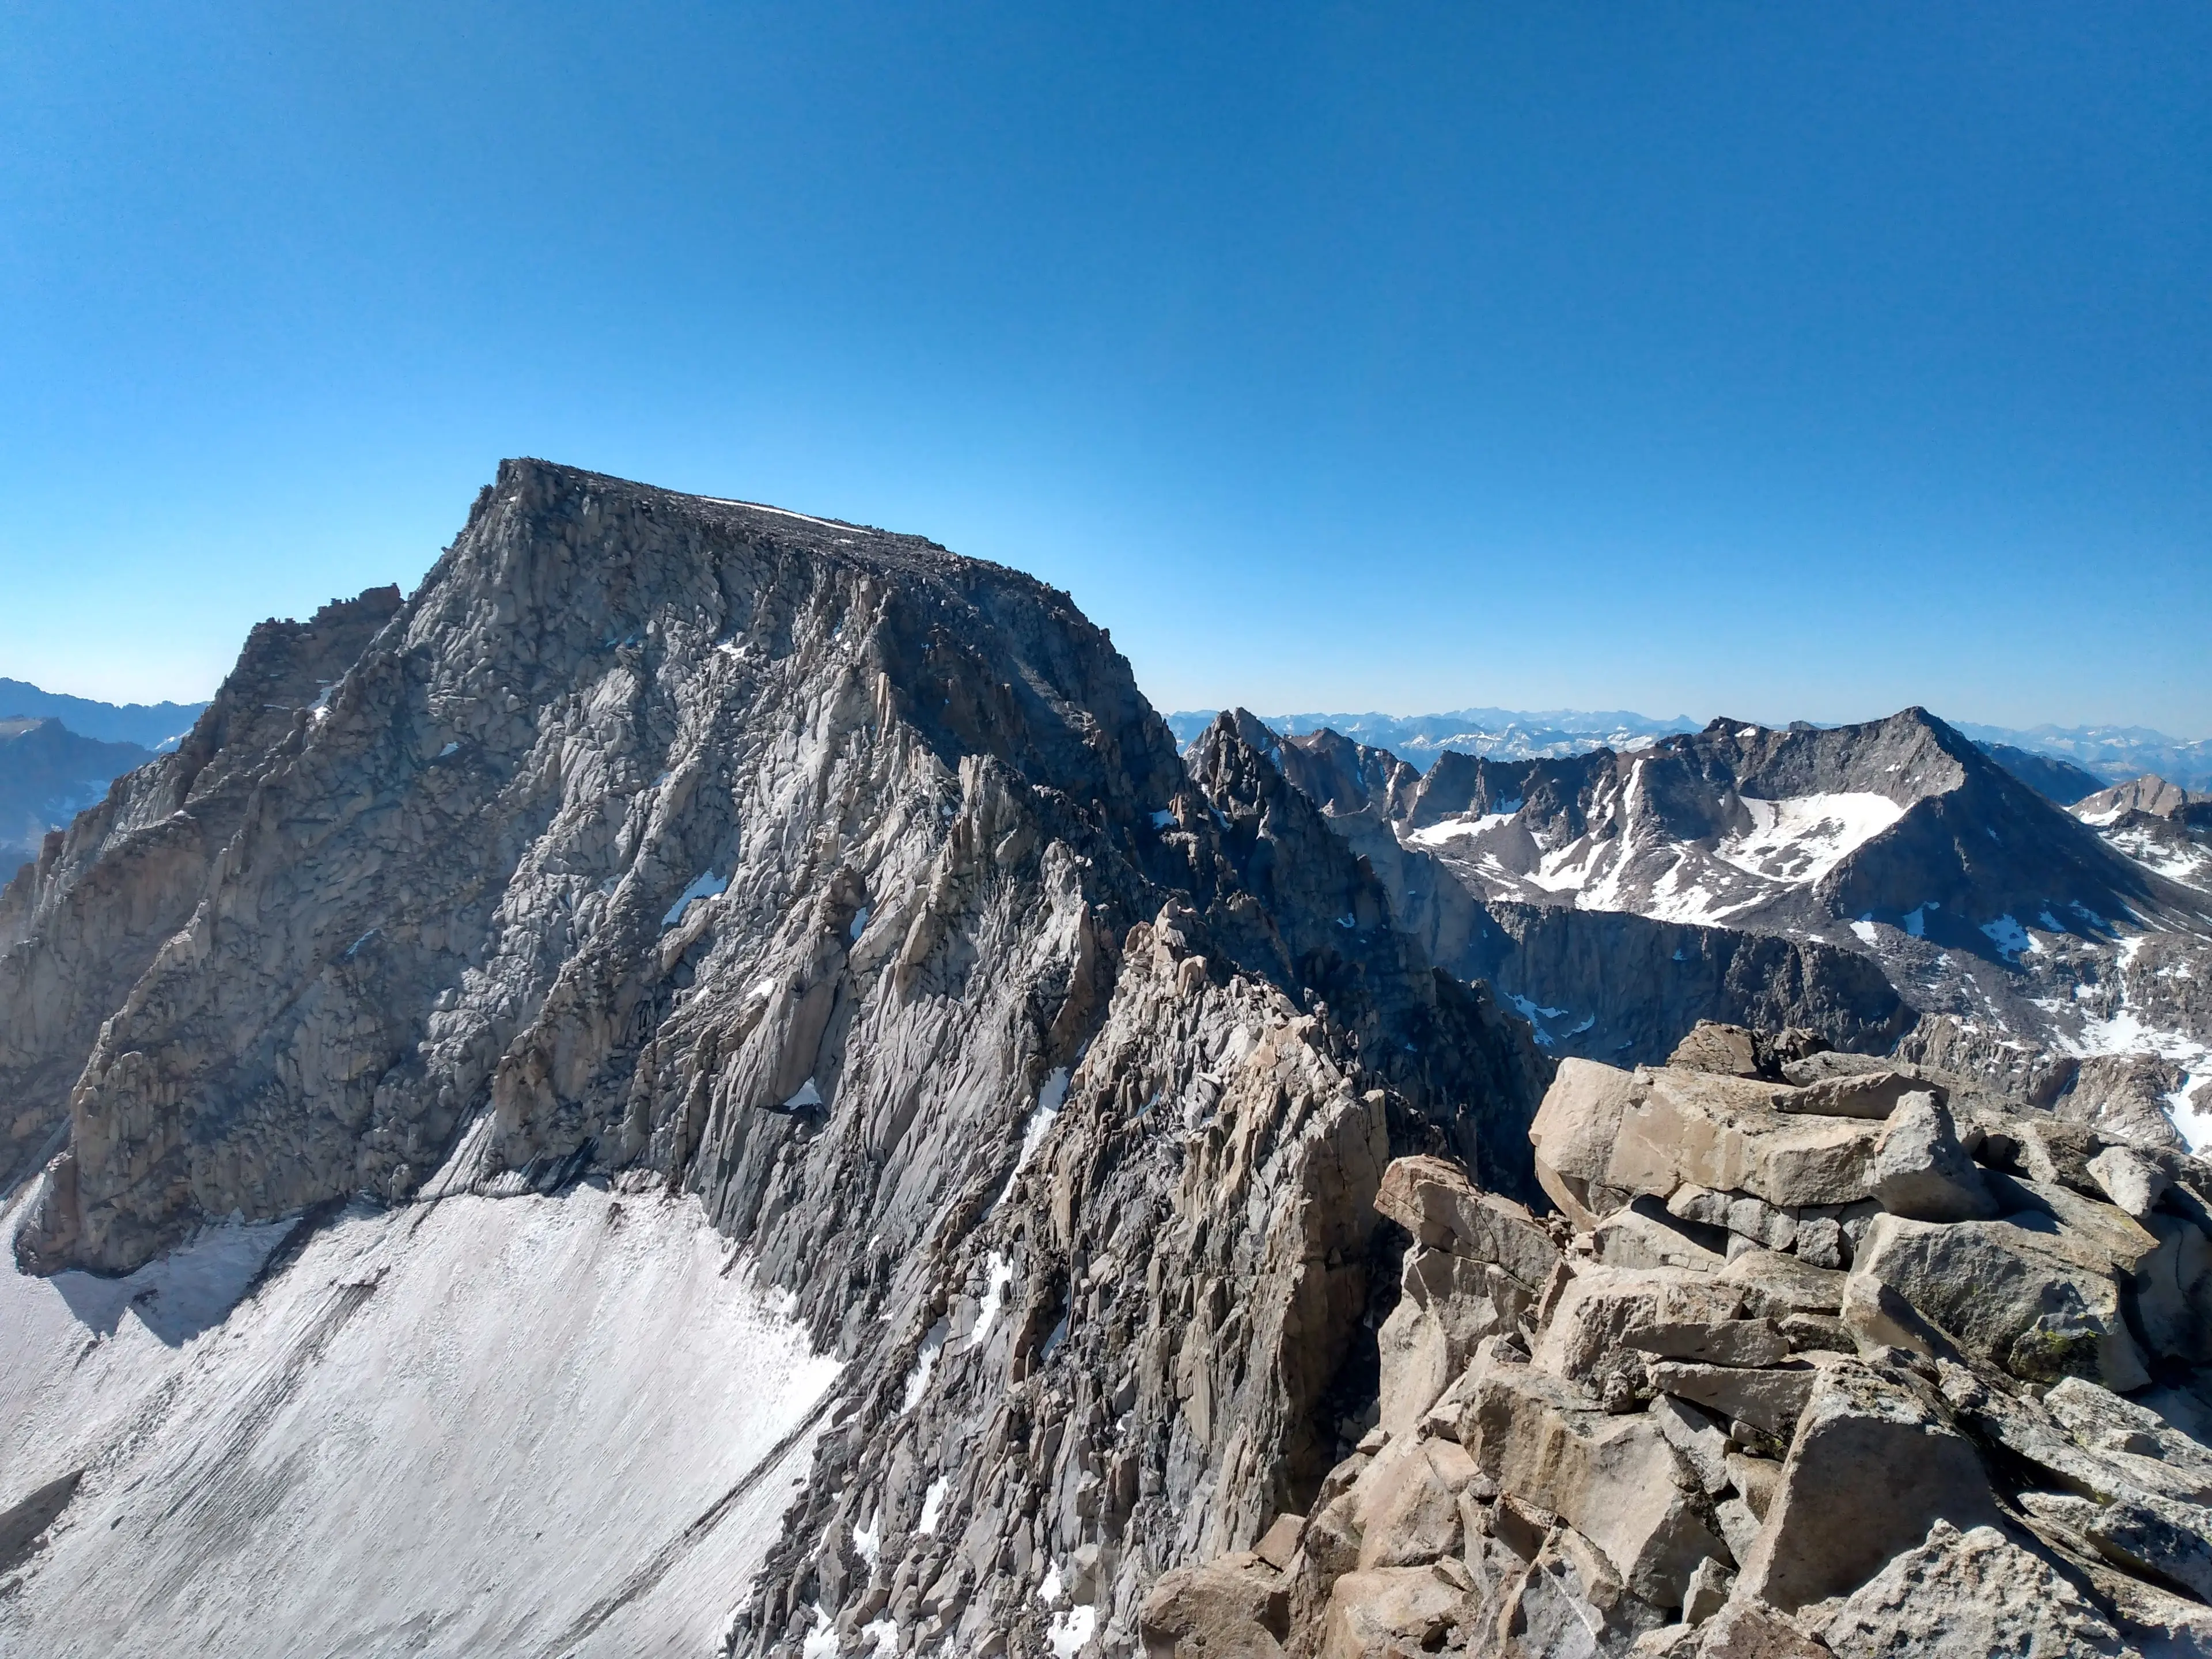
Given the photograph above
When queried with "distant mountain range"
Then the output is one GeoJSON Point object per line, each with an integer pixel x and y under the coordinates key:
{"type": "Point", "coordinates": [155, 725]}
{"type": "Point", "coordinates": [2063, 762]}
{"type": "Point", "coordinates": [48, 774]}
{"type": "Point", "coordinates": [59, 753]}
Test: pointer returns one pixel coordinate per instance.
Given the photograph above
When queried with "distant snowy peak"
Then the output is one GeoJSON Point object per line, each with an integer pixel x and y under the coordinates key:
{"type": "Point", "coordinates": [2165, 828]}
{"type": "Point", "coordinates": [1901, 822]}
{"type": "Point", "coordinates": [2112, 751]}
{"type": "Point", "coordinates": [1492, 733]}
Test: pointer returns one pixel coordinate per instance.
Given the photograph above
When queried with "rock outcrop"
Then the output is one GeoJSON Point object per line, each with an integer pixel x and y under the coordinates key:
{"type": "Point", "coordinates": [1737, 1404]}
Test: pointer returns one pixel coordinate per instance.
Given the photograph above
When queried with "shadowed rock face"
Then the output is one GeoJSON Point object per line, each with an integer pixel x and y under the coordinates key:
{"type": "Point", "coordinates": [849, 885]}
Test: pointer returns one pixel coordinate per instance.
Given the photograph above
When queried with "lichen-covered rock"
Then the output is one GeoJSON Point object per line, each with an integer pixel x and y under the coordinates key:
{"type": "Point", "coordinates": [2023, 1293]}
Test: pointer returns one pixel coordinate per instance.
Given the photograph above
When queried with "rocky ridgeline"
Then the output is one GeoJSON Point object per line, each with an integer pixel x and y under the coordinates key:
{"type": "Point", "coordinates": [1819, 1356]}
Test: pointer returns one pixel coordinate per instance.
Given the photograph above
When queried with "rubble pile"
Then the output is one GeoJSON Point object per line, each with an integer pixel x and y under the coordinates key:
{"type": "Point", "coordinates": [1819, 1355]}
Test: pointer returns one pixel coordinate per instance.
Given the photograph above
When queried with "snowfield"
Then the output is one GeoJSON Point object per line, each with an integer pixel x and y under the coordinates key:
{"type": "Point", "coordinates": [522, 1425]}
{"type": "Point", "coordinates": [1801, 838]}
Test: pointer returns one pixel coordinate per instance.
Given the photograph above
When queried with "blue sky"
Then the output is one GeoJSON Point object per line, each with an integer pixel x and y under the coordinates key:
{"type": "Point", "coordinates": [1784, 361]}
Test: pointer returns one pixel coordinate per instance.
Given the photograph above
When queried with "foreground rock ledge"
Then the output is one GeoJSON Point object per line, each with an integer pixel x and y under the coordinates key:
{"type": "Point", "coordinates": [1737, 1405]}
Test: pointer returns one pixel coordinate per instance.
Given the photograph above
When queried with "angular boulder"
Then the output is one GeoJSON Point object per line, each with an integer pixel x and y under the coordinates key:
{"type": "Point", "coordinates": [1447, 1304]}
{"type": "Point", "coordinates": [1574, 1131]}
{"type": "Point", "coordinates": [2023, 1293]}
{"type": "Point", "coordinates": [1614, 1479]}
{"type": "Point", "coordinates": [1921, 1170]}
{"type": "Point", "coordinates": [1237, 1607]}
{"type": "Point", "coordinates": [1435, 1201]}
{"type": "Point", "coordinates": [1873, 1467]}
{"type": "Point", "coordinates": [1726, 1133]}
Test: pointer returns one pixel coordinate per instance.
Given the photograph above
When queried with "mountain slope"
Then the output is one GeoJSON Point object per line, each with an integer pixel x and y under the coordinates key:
{"type": "Point", "coordinates": [2031, 942]}
{"type": "Point", "coordinates": [2058, 781]}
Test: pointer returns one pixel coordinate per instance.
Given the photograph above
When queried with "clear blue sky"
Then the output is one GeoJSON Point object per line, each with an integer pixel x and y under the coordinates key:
{"type": "Point", "coordinates": [1783, 361]}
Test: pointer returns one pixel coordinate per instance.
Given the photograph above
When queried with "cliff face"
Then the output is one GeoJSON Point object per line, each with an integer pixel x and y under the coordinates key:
{"type": "Point", "coordinates": [688, 846]}
{"type": "Point", "coordinates": [81, 924]}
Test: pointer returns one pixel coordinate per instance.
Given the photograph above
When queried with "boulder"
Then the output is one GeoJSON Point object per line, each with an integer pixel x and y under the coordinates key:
{"type": "Point", "coordinates": [1569, 1601]}
{"type": "Point", "coordinates": [1435, 1201]}
{"type": "Point", "coordinates": [1575, 1129]}
{"type": "Point", "coordinates": [1393, 1611]}
{"type": "Point", "coordinates": [1708, 1593]}
{"type": "Point", "coordinates": [1719, 1342]}
{"type": "Point", "coordinates": [1871, 1095]}
{"type": "Point", "coordinates": [1237, 1607]}
{"type": "Point", "coordinates": [1606, 1306]}
{"type": "Point", "coordinates": [1724, 1050]}
{"type": "Point", "coordinates": [2173, 1290]}
{"type": "Point", "coordinates": [2022, 1293]}
{"type": "Point", "coordinates": [1702, 1442]}
{"type": "Point", "coordinates": [1447, 1304]}
{"type": "Point", "coordinates": [1637, 1237]}
{"type": "Point", "coordinates": [1404, 1504]}
{"type": "Point", "coordinates": [1614, 1478]}
{"type": "Point", "coordinates": [1280, 1541]}
{"type": "Point", "coordinates": [1920, 1170]}
{"type": "Point", "coordinates": [1726, 1134]}
{"type": "Point", "coordinates": [1768, 1398]}
{"type": "Point", "coordinates": [1873, 1467]}
{"type": "Point", "coordinates": [2133, 1181]}
{"type": "Point", "coordinates": [1777, 1286]}
{"type": "Point", "coordinates": [1747, 1629]}
{"type": "Point", "coordinates": [1968, 1595]}
{"type": "Point", "coordinates": [2159, 1539]}
{"type": "Point", "coordinates": [1757, 1480]}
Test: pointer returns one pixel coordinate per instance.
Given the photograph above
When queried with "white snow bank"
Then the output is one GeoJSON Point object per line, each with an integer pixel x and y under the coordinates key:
{"type": "Point", "coordinates": [1801, 838]}
{"type": "Point", "coordinates": [1071, 1629]}
{"type": "Point", "coordinates": [1452, 829]}
{"type": "Point", "coordinates": [706, 885]}
{"type": "Point", "coordinates": [478, 1427]}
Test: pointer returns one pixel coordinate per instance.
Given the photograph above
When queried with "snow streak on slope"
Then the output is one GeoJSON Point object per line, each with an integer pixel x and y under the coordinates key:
{"type": "Point", "coordinates": [526, 1425]}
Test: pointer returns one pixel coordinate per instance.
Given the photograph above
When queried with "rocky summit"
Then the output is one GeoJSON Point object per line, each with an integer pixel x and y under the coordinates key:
{"type": "Point", "coordinates": [716, 1081]}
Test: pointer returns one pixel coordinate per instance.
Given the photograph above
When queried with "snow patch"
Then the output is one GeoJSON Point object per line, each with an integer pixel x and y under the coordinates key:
{"type": "Point", "coordinates": [1071, 1629]}
{"type": "Point", "coordinates": [1050, 1098]}
{"type": "Point", "coordinates": [917, 1381]}
{"type": "Point", "coordinates": [807, 1096]}
{"type": "Point", "coordinates": [1452, 829]}
{"type": "Point", "coordinates": [998, 1276]}
{"type": "Point", "coordinates": [1161, 818]}
{"type": "Point", "coordinates": [1798, 839]}
{"type": "Point", "coordinates": [1867, 932]}
{"type": "Point", "coordinates": [386, 1436]}
{"type": "Point", "coordinates": [706, 885]}
{"type": "Point", "coordinates": [932, 1504]}
{"type": "Point", "coordinates": [2011, 939]}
